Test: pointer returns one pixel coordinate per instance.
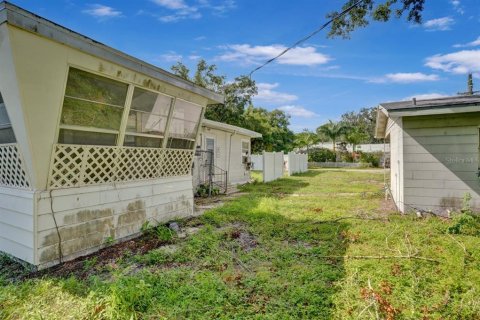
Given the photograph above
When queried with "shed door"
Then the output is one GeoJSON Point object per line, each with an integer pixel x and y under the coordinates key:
{"type": "Point", "coordinates": [210, 147]}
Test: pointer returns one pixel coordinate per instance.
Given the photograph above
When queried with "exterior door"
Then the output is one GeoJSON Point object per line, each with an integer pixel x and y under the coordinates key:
{"type": "Point", "coordinates": [210, 156]}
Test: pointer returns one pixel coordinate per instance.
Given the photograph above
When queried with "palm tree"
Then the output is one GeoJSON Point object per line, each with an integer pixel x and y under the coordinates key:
{"type": "Point", "coordinates": [333, 131]}
{"type": "Point", "coordinates": [306, 138]}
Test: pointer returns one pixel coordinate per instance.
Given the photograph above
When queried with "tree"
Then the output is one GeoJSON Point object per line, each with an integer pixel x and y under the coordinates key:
{"type": "Point", "coordinates": [238, 94]}
{"type": "Point", "coordinates": [354, 136]}
{"type": "Point", "coordinates": [306, 138]}
{"type": "Point", "coordinates": [376, 10]}
{"type": "Point", "coordinates": [238, 108]}
{"type": "Point", "coordinates": [332, 130]}
{"type": "Point", "coordinates": [363, 120]}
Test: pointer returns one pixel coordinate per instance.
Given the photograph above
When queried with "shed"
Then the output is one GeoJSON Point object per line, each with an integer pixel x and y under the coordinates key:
{"type": "Point", "coordinates": [94, 143]}
{"type": "Point", "coordinates": [223, 152]}
{"type": "Point", "coordinates": [434, 148]}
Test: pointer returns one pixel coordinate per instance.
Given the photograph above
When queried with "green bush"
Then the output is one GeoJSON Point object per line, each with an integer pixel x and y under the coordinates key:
{"type": "Point", "coordinates": [372, 158]}
{"type": "Point", "coordinates": [466, 223]}
{"type": "Point", "coordinates": [321, 155]}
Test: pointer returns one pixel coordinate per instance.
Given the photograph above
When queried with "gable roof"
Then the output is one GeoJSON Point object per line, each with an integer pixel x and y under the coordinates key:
{"type": "Point", "coordinates": [230, 128]}
{"type": "Point", "coordinates": [447, 105]}
{"type": "Point", "coordinates": [30, 22]}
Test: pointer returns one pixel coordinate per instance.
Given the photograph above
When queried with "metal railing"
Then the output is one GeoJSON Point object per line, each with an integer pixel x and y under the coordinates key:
{"type": "Point", "coordinates": [211, 175]}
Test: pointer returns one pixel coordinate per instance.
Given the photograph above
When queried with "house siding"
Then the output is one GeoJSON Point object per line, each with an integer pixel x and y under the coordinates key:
{"type": "Point", "coordinates": [237, 173]}
{"type": "Point", "coordinates": [16, 223]}
{"type": "Point", "coordinates": [441, 161]}
{"type": "Point", "coordinates": [87, 217]}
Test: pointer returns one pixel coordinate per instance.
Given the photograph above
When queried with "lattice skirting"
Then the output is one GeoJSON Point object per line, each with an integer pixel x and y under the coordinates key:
{"type": "Point", "coordinates": [76, 165]}
{"type": "Point", "coordinates": [12, 170]}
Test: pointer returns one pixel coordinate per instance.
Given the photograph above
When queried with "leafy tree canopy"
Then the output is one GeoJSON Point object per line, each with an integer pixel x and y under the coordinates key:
{"type": "Point", "coordinates": [238, 108]}
{"type": "Point", "coordinates": [375, 10]}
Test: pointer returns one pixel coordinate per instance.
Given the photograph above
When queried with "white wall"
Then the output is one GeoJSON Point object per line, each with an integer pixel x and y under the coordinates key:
{"type": "Point", "coordinates": [87, 216]}
{"type": "Point", "coordinates": [16, 223]}
{"type": "Point", "coordinates": [374, 147]}
{"type": "Point", "coordinates": [228, 146]}
{"type": "Point", "coordinates": [394, 127]}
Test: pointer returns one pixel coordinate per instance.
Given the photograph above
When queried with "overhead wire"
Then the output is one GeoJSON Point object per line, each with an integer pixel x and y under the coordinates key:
{"type": "Point", "coordinates": [326, 24]}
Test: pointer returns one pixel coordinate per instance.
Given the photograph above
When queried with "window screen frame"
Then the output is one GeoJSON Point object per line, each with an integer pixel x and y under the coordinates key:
{"type": "Point", "coordinates": [122, 132]}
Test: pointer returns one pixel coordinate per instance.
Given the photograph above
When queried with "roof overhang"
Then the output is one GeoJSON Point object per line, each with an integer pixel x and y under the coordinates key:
{"type": "Point", "coordinates": [30, 22]}
{"type": "Point", "coordinates": [381, 124]}
{"type": "Point", "coordinates": [230, 128]}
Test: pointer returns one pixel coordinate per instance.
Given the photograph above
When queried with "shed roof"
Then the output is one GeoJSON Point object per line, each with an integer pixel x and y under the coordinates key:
{"type": "Point", "coordinates": [431, 103]}
{"type": "Point", "coordinates": [33, 23]}
{"type": "Point", "coordinates": [453, 104]}
{"type": "Point", "coordinates": [230, 128]}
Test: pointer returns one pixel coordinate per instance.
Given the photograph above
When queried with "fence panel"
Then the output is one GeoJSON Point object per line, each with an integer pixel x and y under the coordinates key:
{"type": "Point", "coordinates": [257, 162]}
{"type": "Point", "coordinates": [297, 163]}
{"type": "Point", "coordinates": [272, 166]}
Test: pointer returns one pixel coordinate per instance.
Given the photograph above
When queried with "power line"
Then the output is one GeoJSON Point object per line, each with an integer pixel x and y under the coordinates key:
{"type": "Point", "coordinates": [326, 24]}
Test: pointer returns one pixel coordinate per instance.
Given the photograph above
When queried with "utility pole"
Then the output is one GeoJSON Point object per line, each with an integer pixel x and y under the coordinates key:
{"type": "Point", "coordinates": [470, 91]}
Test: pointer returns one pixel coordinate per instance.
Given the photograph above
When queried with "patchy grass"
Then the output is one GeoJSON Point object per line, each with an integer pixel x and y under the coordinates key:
{"type": "Point", "coordinates": [315, 246]}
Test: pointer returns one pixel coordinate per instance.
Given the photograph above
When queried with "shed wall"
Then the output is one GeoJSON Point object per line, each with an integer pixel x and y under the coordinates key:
{"type": "Point", "coordinates": [89, 216]}
{"type": "Point", "coordinates": [396, 162]}
{"type": "Point", "coordinates": [441, 160]}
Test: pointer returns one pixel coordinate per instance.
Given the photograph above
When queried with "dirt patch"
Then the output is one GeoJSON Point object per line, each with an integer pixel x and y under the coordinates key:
{"type": "Point", "coordinates": [238, 233]}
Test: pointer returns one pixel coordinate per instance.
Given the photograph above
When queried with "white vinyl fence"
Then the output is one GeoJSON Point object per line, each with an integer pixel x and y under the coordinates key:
{"type": "Point", "coordinates": [257, 162]}
{"type": "Point", "coordinates": [272, 166]}
{"type": "Point", "coordinates": [296, 163]}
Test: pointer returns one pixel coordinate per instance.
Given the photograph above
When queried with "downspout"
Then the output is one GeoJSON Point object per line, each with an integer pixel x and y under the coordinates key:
{"type": "Point", "coordinates": [230, 154]}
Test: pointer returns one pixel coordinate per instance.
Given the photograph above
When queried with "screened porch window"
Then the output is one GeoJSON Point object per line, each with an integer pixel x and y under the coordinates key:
{"type": "Point", "coordinates": [6, 131]}
{"type": "Point", "coordinates": [184, 125]}
{"type": "Point", "coordinates": [92, 109]}
{"type": "Point", "coordinates": [147, 119]}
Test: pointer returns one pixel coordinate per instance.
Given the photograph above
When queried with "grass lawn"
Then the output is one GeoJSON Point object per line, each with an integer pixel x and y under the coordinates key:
{"type": "Point", "coordinates": [320, 245]}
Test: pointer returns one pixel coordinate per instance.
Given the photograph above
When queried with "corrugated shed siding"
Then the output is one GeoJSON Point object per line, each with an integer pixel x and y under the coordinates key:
{"type": "Point", "coordinates": [441, 160]}
{"type": "Point", "coordinates": [86, 217]}
{"type": "Point", "coordinates": [16, 223]}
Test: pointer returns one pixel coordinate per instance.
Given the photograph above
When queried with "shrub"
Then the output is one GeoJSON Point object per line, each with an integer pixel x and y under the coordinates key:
{"type": "Point", "coordinates": [321, 155]}
{"type": "Point", "coordinates": [466, 224]}
{"type": "Point", "coordinates": [372, 158]}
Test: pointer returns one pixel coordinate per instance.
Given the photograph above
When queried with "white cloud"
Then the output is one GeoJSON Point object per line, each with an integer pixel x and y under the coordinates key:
{"type": "Point", "coordinates": [426, 96]}
{"type": "Point", "coordinates": [248, 54]}
{"type": "Point", "coordinates": [194, 57]}
{"type": "Point", "coordinates": [268, 95]}
{"type": "Point", "coordinates": [180, 9]}
{"type": "Point", "coordinates": [457, 5]}
{"type": "Point", "coordinates": [200, 38]}
{"type": "Point", "coordinates": [404, 77]}
{"type": "Point", "coordinates": [298, 111]}
{"type": "Point", "coordinates": [171, 4]}
{"type": "Point", "coordinates": [440, 24]}
{"type": "Point", "coordinates": [102, 12]}
{"type": "Point", "coordinates": [171, 56]}
{"type": "Point", "coordinates": [459, 62]}
{"type": "Point", "coordinates": [474, 43]}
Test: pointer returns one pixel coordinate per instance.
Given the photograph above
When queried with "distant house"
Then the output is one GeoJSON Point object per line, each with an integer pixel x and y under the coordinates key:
{"type": "Point", "coordinates": [434, 151]}
{"type": "Point", "coordinates": [223, 154]}
{"type": "Point", "coordinates": [94, 143]}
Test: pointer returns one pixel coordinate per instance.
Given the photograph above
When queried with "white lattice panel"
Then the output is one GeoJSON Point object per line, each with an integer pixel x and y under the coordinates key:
{"type": "Point", "coordinates": [12, 171]}
{"type": "Point", "coordinates": [75, 165]}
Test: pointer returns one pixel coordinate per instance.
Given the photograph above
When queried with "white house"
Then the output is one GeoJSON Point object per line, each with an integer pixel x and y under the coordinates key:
{"type": "Point", "coordinates": [434, 151]}
{"type": "Point", "coordinates": [223, 154]}
{"type": "Point", "coordinates": [93, 142]}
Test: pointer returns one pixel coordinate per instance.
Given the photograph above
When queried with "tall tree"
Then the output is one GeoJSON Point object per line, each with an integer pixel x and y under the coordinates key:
{"type": "Point", "coordinates": [375, 10]}
{"type": "Point", "coordinates": [355, 136]}
{"type": "Point", "coordinates": [332, 130]}
{"type": "Point", "coordinates": [364, 121]}
{"type": "Point", "coordinates": [238, 108]}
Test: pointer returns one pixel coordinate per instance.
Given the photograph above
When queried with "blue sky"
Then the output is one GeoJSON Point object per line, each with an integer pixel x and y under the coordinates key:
{"type": "Point", "coordinates": [319, 80]}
